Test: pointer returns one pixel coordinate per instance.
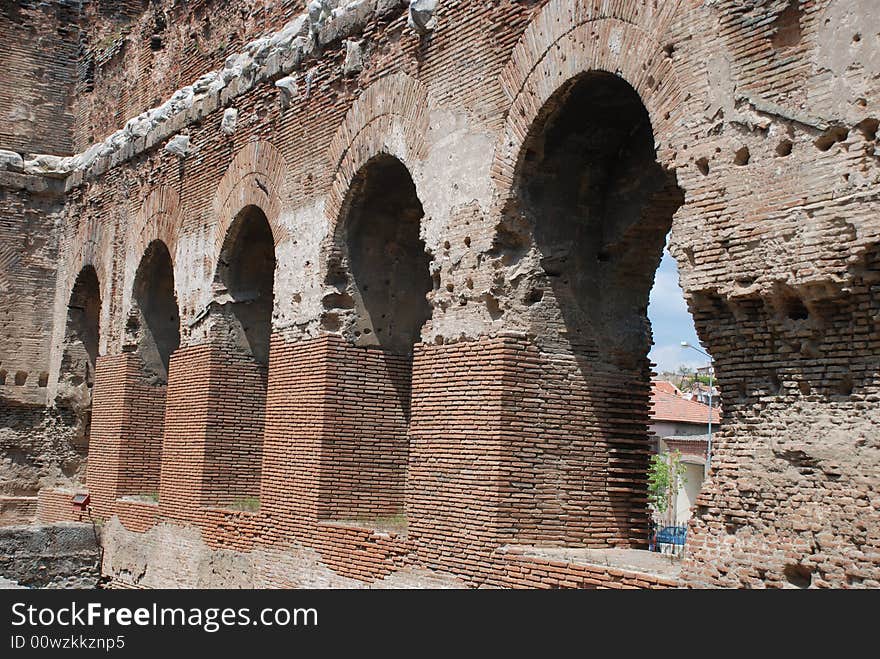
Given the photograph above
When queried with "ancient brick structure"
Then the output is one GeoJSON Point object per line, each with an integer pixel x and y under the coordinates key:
{"type": "Point", "coordinates": [355, 294]}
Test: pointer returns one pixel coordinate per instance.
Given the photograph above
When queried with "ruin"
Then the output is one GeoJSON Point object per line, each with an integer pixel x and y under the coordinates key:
{"type": "Point", "coordinates": [354, 294]}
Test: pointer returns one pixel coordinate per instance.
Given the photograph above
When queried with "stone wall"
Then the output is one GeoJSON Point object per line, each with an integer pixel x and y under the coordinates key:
{"type": "Point", "coordinates": [747, 129]}
{"type": "Point", "coordinates": [50, 555]}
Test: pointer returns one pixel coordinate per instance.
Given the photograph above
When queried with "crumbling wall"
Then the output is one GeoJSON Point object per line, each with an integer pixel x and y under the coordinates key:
{"type": "Point", "coordinates": [749, 129]}
{"type": "Point", "coordinates": [40, 52]}
{"type": "Point", "coordinates": [778, 249]}
{"type": "Point", "coordinates": [39, 447]}
{"type": "Point", "coordinates": [135, 54]}
{"type": "Point", "coordinates": [50, 555]}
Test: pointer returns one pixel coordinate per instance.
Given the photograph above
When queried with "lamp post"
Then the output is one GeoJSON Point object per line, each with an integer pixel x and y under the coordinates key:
{"type": "Point", "coordinates": [685, 344]}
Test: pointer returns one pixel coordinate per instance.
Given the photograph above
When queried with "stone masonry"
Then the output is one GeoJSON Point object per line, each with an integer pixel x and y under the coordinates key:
{"type": "Point", "coordinates": [354, 294]}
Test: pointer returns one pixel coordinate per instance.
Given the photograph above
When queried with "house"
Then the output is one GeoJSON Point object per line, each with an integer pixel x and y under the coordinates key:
{"type": "Point", "coordinates": [682, 425]}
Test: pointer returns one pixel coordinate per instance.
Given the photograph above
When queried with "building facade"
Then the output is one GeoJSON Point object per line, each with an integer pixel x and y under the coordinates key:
{"type": "Point", "coordinates": [355, 293]}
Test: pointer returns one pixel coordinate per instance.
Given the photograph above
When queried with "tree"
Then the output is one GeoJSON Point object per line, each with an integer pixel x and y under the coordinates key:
{"type": "Point", "coordinates": [665, 478]}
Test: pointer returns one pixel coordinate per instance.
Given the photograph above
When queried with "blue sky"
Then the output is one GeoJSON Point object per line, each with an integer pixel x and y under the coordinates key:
{"type": "Point", "coordinates": [671, 322]}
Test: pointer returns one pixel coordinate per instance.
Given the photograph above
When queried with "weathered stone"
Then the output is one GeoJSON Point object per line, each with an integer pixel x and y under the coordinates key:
{"type": "Point", "coordinates": [229, 121]}
{"type": "Point", "coordinates": [354, 57]}
{"type": "Point", "coordinates": [452, 252]}
{"type": "Point", "coordinates": [421, 15]}
{"type": "Point", "coordinates": [178, 145]}
{"type": "Point", "coordinates": [11, 161]}
{"type": "Point", "coordinates": [288, 88]}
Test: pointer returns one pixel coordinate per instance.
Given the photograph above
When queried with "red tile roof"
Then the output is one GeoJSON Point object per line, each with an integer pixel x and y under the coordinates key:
{"type": "Point", "coordinates": [666, 405]}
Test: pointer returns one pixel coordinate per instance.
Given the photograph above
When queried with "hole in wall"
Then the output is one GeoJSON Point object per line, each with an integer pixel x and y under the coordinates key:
{"type": "Point", "coordinates": [787, 26]}
{"type": "Point", "coordinates": [830, 137]}
{"type": "Point", "coordinates": [796, 310]}
{"type": "Point", "coordinates": [798, 576]}
{"type": "Point", "coordinates": [784, 148]}
{"type": "Point", "coordinates": [868, 128]}
{"type": "Point", "coordinates": [742, 156]}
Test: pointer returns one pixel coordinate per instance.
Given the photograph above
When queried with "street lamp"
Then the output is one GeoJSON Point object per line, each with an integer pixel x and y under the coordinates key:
{"type": "Point", "coordinates": [685, 344]}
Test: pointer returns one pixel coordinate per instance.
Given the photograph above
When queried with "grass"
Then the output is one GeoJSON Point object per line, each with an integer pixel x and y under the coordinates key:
{"type": "Point", "coordinates": [397, 523]}
{"type": "Point", "coordinates": [152, 497]}
{"type": "Point", "coordinates": [246, 504]}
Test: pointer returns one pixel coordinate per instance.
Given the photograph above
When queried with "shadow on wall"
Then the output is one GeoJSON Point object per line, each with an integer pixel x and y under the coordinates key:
{"type": "Point", "coordinates": [244, 284]}
{"type": "Point", "coordinates": [592, 210]}
{"type": "Point", "coordinates": [598, 207]}
{"type": "Point", "coordinates": [80, 350]}
{"type": "Point", "coordinates": [389, 269]}
{"type": "Point", "coordinates": [154, 325]}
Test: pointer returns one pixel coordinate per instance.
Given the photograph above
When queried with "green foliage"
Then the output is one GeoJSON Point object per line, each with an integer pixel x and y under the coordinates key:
{"type": "Point", "coordinates": [247, 504]}
{"type": "Point", "coordinates": [665, 478]}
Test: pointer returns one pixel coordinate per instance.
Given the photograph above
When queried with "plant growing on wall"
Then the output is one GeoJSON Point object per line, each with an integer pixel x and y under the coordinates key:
{"type": "Point", "coordinates": [665, 478]}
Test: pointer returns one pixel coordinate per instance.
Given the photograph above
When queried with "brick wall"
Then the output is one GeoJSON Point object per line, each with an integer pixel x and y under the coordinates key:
{"type": "Point", "coordinates": [454, 487]}
{"type": "Point", "coordinates": [334, 411]}
{"type": "Point", "coordinates": [788, 501]}
{"type": "Point", "coordinates": [57, 506]}
{"type": "Point", "coordinates": [17, 510]}
{"type": "Point", "coordinates": [126, 434]}
{"type": "Point", "coordinates": [212, 448]}
{"type": "Point", "coordinates": [366, 443]}
{"type": "Point", "coordinates": [29, 210]}
{"type": "Point", "coordinates": [40, 42]}
{"type": "Point", "coordinates": [575, 450]}
{"type": "Point", "coordinates": [136, 56]}
{"type": "Point", "coordinates": [188, 396]}
{"type": "Point", "coordinates": [521, 571]}
{"type": "Point", "coordinates": [233, 453]}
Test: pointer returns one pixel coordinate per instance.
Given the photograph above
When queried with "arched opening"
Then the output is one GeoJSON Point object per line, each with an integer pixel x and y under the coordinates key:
{"type": "Point", "coordinates": [245, 281]}
{"type": "Point", "coordinates": [79, 353]}
{"type": "Point", "coordinates": [389, 266]}
{"type": "Point", "coordinates": [590, 213]}
{"type": "Point", "coordinates": [383, 285]}
{"type": "Point", "coordinates": [155, 319]}
{"type": "Point", "coordinates": [241, 331]}
{"type": "Point", "coordinates": [152, 334]}
{"type": "Point", "coordinates": [685, 406]}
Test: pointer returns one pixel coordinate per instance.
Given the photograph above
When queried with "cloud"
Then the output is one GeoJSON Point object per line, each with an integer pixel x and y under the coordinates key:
{"type": "Point", "coordinates": [670, 356]}
{"type": "Point", "coordinates": [671, 322]}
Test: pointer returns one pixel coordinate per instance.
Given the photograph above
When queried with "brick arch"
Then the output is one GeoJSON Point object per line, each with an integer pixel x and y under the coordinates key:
{"type": "Point", "coordinates": [257, 176]}
{"type": "Point", "coordinates": [390, 117]}
{"type": "Point", "coordinates": [158, 219]}
{"type": "Point", "coordinates": [571, 37]}
{"type": "Point", "coordinates": [92, 246]}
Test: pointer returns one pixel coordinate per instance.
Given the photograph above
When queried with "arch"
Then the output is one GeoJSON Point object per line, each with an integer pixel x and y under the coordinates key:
{"type": "Point", "coordinates": [257, 176]}
{"type": "Point", "coordinates": [91, 247]}
{"type": "Point", "coordinates": [79, 352]}
{"type": "Point", "coordinates": [240, 331]}
{"type": "Point", "coordinates": [245, 279]}
{"type": "Point", "coordinates": [587, 202]}
{"type": "Point", "coordinates": [382, 278]}
{"type": "Point", "coordinates": [389, 117]}
{"type": "Point", "coordinates": [571, 37]}
{"type": "Point", "coordinates": [385, 259]}
{"type": "Point", "coordinates": [153, 324]}
{"type": "Point", "coordinates": [158, 219]}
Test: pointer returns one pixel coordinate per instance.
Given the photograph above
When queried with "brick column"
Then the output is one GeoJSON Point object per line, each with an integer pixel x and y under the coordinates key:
{"type": "Point", "coordinates": [511, 445]}
{"type": "Point", "coordinates": [213, 446]}
{"type": "Point", "coordinates": [456, 452]}
{"type": "Point", "coordinates": [293, 435]}
{"type": "Point", "coordinates": [112, 415]}
{"type": "Point", "coordinates": [186, 419]}
{"type": "Point", "coordinates": [336, 442]}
